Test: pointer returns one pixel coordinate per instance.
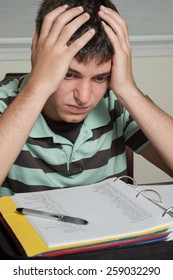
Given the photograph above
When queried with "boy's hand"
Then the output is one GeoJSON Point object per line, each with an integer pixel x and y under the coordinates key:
{"type": "Point", "coordinates": [121, 77]}
{"type": "Point", "coordinates": [51, 55]}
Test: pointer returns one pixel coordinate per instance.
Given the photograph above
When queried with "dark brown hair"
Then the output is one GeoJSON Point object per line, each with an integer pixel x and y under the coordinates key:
{"type": "Point", "coordinates": [99, 47]}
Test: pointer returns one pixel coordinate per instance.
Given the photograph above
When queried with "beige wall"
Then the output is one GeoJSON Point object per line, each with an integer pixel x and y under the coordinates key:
{"type": "Point", "coordinates": [13, 66]}
{"type": "Point", "coordinates": [154, 77]}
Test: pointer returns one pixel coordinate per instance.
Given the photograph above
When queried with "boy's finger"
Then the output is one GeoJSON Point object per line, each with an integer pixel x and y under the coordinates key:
{"type": "Point", "coordinates": [117, 28]}
{"type": "Point", "coordinates": [62, 20]}
{"type": "Point", "coordinates": [80, 42]}
{"type": "Point", "coordinates": [49, 19]}
{"type": "Point", "coordinates": [72, 27]}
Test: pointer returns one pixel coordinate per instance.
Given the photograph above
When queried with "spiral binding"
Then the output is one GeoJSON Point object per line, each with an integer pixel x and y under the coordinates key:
{"type": "Point", "coordinates": [166, 211]}
{"type": "Point", "coordinates": [150, 190]}
{"type": "Point", "coordinates": [127, 177]}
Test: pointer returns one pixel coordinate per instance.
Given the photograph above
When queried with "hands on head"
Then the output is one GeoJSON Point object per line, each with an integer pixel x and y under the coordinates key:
{"type": "Point", "coordinates": [117, 31]}
{"type": "Point", "coordinates": [53, 50]}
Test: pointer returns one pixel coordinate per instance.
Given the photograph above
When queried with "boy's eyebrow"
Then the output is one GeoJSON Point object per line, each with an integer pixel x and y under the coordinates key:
{"type": "Point", "coordinates": [101, 74]}
{"type": "Point", "coordinates": [105, 74]}
{"type": "Point", "coordinates": [73, 70]}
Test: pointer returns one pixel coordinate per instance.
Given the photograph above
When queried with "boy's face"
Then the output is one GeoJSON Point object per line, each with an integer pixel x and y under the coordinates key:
{"type": "Point", "coordinates": [80, 91]}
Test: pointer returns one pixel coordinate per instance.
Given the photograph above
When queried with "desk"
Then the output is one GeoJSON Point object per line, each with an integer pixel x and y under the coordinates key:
{"type": "Point", "coordinates": [153, 251]}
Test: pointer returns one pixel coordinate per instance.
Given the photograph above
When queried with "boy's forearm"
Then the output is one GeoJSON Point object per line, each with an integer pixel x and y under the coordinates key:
{"type": "Point", "coordinates": [15, 125]}
{"type": "Point", "coordinates": [155, 123]}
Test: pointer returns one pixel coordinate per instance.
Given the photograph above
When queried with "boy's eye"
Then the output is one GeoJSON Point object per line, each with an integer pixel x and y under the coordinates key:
{"type": "Point", "coordinates": [70, 76]}
{"type": "Point", "coordinates": [101, 79]}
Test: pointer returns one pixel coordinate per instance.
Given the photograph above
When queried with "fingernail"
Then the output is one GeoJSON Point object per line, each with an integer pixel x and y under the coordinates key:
{"type": "Point", "coordinates": [92, 30]}
{"type": "Point", "coordinates": [102, 7]}
{"type": "Point", "coordinates": [103, 23]}
{"type": "Point", "coordinates": [101, 13]}
{"type": "Point", "coordinates": [80, 8]}
{"type": "Point", "coordinates": [87, 15]}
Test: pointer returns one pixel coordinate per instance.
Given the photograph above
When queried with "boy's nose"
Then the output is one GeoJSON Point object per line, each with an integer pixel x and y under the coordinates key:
{"type": "Point", "coordinates": [82, 93]}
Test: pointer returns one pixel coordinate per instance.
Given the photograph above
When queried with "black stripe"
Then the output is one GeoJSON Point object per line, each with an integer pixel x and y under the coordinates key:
{"type": "Point", "coordinates": [118, 109]}
{"type": "Point", "coordinates": [19, 187]}
{"type": "Point", "coordinates": [102, 157]}
{"type": "Point", "coordinates": [98, 132]}
{"type": "Point", "coordinates": [26, 160]}
{"type": "Point", "coordinates": [6, 81]}
{"type": "Point", "coordinates": [114, 115]}
{"type": "Point", "coordinates": [21, 81]}
{"type": "Point", "coordinates": [8, 100]}
{"type": "Point", "coordinates": [43, 142]}
{"type": "Point", "coordinates": [137, 140]}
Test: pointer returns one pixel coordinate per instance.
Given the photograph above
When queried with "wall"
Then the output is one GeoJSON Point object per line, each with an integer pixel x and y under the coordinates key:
{"type": "Point", "coordinates": [13, 66]}
{"type": "Point", "coordinates": [154, 77]}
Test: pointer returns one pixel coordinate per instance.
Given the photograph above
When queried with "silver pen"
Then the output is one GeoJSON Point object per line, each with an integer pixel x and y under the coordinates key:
{"type": "Point", "coordinates": [49, 215]}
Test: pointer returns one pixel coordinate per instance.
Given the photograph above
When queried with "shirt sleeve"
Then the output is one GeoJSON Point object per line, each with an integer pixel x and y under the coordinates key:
{"type": "Point", "coordinates": [7, 94]}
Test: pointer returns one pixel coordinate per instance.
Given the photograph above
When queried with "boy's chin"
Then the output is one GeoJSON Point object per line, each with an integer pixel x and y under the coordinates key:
{"type": "Point", "coordinates": [74, 119]}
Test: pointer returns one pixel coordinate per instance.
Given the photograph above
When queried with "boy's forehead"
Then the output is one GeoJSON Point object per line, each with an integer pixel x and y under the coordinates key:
{"type": "Point", "coordinates": [92, 66]}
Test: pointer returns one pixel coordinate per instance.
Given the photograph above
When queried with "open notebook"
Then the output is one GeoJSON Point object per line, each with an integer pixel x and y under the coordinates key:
{"type": "Point", "coordinates": [118, 214]}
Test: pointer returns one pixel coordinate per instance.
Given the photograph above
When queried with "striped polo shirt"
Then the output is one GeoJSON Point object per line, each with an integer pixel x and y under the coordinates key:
{"type": "Point", "coordinates": [49, 160]}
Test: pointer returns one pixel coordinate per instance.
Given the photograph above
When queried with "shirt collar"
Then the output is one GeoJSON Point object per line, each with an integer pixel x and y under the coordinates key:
{"type": "Point", "coordinates": [98, 117]}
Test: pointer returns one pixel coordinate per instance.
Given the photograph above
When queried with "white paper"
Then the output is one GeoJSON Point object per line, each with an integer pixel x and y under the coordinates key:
{"type": "Point", "coordinates": [112, 209]}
